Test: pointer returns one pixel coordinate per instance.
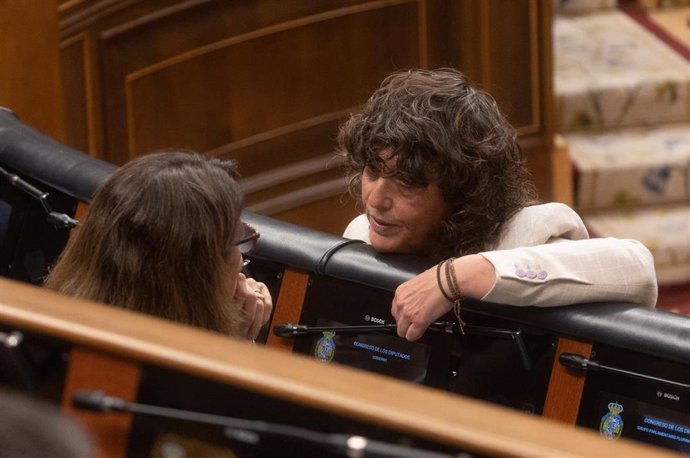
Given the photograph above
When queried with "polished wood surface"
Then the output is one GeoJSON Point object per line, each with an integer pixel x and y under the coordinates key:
{"type": "Point", "coordinates": [93, 370]}
{"type": "Point", "coordinates": [565, 388]}
{"type": "Point", "coordinates": [382, 401]}
{"type": "Point", "coordinates": [288, 307]}
{"type": "Point", "coordinates": [29, 74]}
{"type": "Point", "coordinates": [562, 172]}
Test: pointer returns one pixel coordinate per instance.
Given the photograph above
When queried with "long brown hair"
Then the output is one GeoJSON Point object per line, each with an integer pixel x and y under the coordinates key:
{"type": "Point", "coordinates": [442, 129]}
{"type": "Point", "coordinates": [156, 239]}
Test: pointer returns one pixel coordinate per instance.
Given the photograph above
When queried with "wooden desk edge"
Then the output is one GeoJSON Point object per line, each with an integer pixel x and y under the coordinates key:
{"type": "Point", "coordinates": [425, 412]}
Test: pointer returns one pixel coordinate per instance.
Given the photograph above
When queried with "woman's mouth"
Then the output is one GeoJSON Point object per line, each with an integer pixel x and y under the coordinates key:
{"type": "Point", "coordinates": [380, 226]}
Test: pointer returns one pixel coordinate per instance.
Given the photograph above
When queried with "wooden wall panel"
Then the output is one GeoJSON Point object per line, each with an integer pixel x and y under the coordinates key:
{"type": "Point", "coordinates": [29, 71]}
{"type": "Point", "coordinates": [306, 141]}
{"type": "Point", "coordinates": [506, 48]}
{"type": "Point", "coordinates": [521, 105]}
{"type": "Point", "coordinates": [331, 212]}
{"type": "Point", "coordinates": [73, 72]}
{"type": "Point", "coordinates": [230, 98]}
{"type": "Point", "coordinates": [268, 82]}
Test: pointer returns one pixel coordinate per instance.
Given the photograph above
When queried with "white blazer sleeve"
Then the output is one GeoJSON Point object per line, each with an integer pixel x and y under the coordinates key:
{"type": "Point", "coordinates": [544, 259]}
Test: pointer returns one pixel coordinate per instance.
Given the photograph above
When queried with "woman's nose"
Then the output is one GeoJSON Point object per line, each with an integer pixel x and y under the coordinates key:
{"type": "Point", "coordinates": [380, 194]}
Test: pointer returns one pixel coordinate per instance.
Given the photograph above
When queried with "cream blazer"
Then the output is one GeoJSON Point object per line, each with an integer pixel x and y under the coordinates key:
{"type": "Point", "coordinates": [545, 257]}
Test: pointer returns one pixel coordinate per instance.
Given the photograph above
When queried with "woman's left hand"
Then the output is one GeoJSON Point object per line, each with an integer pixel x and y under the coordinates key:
{"type": "Point", "coordinates": [418, 303]}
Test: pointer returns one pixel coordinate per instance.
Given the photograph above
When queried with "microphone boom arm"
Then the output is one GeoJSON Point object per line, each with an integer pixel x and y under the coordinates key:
{"type": "Point", "coordinates": [250, 431]}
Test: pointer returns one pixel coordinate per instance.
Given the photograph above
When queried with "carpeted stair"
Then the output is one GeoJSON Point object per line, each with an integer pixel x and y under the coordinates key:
{"type": "Point", "coordinates": [622, 91]}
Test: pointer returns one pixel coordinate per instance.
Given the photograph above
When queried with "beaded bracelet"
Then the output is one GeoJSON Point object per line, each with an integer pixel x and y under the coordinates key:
{"type": "Point", "coordinates": [455, 292]}
{"type": "Point", "coordinates": [455, 296]}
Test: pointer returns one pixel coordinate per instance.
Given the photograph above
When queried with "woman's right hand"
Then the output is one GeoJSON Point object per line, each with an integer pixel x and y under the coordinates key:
{"type": "Point", "coordinates": [255, 305]}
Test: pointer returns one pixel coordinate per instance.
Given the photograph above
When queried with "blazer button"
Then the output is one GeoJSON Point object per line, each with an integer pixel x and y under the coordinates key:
{"type": "Point", "coordinates": [531, 274]}
{"type": "Point", "coordinates": [542, 275]}
{"type": "Point", "coordinates": [520, 273]}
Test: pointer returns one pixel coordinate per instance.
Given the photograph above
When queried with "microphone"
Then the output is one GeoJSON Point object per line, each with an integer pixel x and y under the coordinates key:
{"type": "Point", "coordinates": [61, 220]}
{"type": "Point", "coordinates": [97, 401]}
{"type": "Point", "coordinates": [581, 363]}
{"type": "Point", "coordinates": [445, 327]}
{"type": "Point", "coordinates": [575, 361]}
{"type": "Point", "coordinates": [251, 431]}
{"type": "Point", "coordinates": [58, 220]}
{"type": "Point", "coordinates": [291, 330]}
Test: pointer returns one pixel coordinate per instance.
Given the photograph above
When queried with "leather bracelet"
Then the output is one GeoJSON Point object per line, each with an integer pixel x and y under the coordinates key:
{"type": "Point", "coordinates": [450, 279]}
{"type": "Point", "coordinates": [456, 293]}
{"type": "Point", "coordinates": [438, 280]}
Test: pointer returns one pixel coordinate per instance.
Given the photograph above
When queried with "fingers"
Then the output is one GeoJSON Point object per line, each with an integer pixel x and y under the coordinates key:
{"type": "Point", "coordinates": [409, 325]}
{"type": "Point", "coordinates": [415, 331]}
{"type": "Point", "coordinates": [261, 292]}
{"type": "Point", "coordinates": [257, 306]}
{"type": "Point", "coordinates": [410, 316]}
{"type": "Point", "coordinates": [417, 303]}
{"type": "Point", "coordinates": [255, 322]}
{"type": "Point", "coordinates": [265, 296]}
{"type": "Point", "coordinates": [251, 307]}
{"type": "Point", "coordinates": [241, 286]}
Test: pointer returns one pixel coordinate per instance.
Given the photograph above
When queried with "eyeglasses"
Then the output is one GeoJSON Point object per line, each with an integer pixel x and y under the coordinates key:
{"type": "Point", "coordinates": [248, 241]}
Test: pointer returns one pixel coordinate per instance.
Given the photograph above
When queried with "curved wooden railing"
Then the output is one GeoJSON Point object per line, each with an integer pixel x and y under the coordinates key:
{"type": "Point", "coordinates": [110, 345]}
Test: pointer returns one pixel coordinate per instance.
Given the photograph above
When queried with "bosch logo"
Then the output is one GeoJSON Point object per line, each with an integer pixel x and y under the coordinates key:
{"type": "Point", "coordinates": [671, 396]}
{"type": "Point", "coordinates": [665, 395]}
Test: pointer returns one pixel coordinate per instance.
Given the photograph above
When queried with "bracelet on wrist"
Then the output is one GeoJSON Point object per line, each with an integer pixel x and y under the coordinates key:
{"type": "Point", "coordinates": [438, 280]}
{"type": "Point", "coordinates": [455, 292]}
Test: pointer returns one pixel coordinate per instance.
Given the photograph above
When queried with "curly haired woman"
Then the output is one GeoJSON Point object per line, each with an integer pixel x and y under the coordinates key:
{"type": "Point", "coordinates": [439, 173]}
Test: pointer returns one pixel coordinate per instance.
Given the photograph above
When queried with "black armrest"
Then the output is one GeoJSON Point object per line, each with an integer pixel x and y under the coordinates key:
{"type": "Point", "coordinates": [630, 326]}
{"type": "Point", "coordinates": [654, 332]}
{"type": "Point", "coordinates": [33, 154]}
{"type": "Point", "coordinates": [327, 254]}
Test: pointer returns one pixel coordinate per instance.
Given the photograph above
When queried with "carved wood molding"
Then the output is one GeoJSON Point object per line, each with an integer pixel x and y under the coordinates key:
{"type": "Point", "coordinates": [301, 197]}
{"type": "Point", "coordinates": [226, 150]}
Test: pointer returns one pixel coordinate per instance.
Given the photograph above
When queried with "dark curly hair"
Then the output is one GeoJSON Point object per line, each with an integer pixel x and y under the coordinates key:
{"type": "Point", "coordinates": [442, 129]}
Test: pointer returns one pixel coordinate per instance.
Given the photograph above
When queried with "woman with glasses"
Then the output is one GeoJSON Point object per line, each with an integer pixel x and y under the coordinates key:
{"type": "Point", "coordinates": [163, 236]}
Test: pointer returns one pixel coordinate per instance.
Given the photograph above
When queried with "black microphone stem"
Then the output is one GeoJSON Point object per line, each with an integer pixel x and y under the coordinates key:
{"type": "Point", "coordinates": [244, 430]}
{"type": "Point", "coordinates": [59, 220]}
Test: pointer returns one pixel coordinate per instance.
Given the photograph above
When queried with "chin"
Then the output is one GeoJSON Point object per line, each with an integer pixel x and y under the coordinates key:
{"type": "Point", "coordinates": [393, 246]}
{"type": "Point", "coordinates": [385, 246]}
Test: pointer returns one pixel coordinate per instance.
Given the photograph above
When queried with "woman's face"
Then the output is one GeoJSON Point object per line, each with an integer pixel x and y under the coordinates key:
{"type": "Point", "coordinates": [402, 219]}
{"type": "Point", "coordinates": [235, 261]}
{"type": "Point", "coordinates": [235, 258]}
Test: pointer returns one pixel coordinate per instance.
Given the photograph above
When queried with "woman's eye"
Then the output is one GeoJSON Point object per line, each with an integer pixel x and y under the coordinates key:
{"type": "Point", "coordinates": [371, 173]}
{"type": "Point", "coordinates": [405, 184]}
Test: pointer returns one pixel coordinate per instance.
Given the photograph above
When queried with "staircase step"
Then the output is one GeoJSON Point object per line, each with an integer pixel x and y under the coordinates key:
{"type": "Point", "coordinates": [582, 6]}
{"type": "Point", "coordinates": [631, 167]}
{"type": "Point", "coordinates": [612, 72]}
{"type": "Point", "coordinates": [665, 231]}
